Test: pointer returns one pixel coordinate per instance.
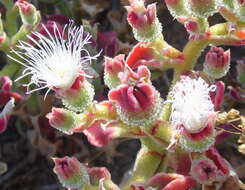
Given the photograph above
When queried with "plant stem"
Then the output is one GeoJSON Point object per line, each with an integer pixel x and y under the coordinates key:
{"type": "Point", "coordinates": [10, 69]}
{"type": "Point", "coordinates": [219, 35]}
{"type": "Point", "coordinates": [146, 164]}
{"type": "Point", "coordinates": [11, 20]}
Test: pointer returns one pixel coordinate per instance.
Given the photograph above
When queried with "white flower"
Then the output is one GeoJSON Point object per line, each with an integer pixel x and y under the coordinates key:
{"type": "Point", "coordinates": [54, 60]}
{"type": "Point", "coordinates": [191, 104]}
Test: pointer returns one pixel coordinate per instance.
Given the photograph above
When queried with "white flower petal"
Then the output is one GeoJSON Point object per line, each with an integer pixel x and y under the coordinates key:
{"type": "Point", "coordinates": [191, 105]}
{"type": "Point", "coordinates": [54, 60]}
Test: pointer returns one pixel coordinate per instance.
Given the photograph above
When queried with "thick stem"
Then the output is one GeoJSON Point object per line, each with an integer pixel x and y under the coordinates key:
{"type": "Point", "coordinates": [11, 20]}
{"type": "Point", "coordinates": [192, 51]}
{"type": "Point", "coordinates": [146, 164]}
{"type": "Point", "coordinates": [219, 35]}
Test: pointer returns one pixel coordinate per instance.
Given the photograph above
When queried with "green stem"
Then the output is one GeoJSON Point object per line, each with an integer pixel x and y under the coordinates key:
{"type": "Point", "coordinates": [192, 51]}
{"type": "Point", "coordinates": [33, 104]}
{"type": "Point", "coordinates": [219, 35]}
{"type": "Point", "coordinates": [7, 3]}
{"type": "Point", "coordinates": [163, 166]}
{"type": "Point", "coordinates": [11, 20]}
{"type": "Point", "coordinates": [10, 69]}
{"type": "Point", "coordinates": [24, 30]}
{"type": "Point", "coordinates": [147, 162]}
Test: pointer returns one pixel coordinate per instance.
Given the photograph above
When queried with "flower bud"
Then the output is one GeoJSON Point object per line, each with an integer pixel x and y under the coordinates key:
{"type": "Point", "coordinates": [176, 7]}
{"type": "Point", "coordinates": [28, 13]}
{"type": "Point", "coordinates": [144, 21]}
{"type": "Point", "coordinates": [204, 170]}
{"type": "Point", "coordinates": [209, 168]}
{"type": "Point", "coordinates": [217, 62]}
{"type": "Point", "coordinates": [113, 66]}
{"type": "Point", "coordinates": [197, 28]}
{"type": "Point", "coordinates": [79, 96]}
{"type": "Point", "coordinates": [63, 120]}
{"type": "Point", "coordinates": [241, 72]}
{"type": "Point", "coordinates": [138, 105]}
{"type": "Point", "coordinates": [71, 173]}
{"type": "Point", "coordinates": [203, 8]}
{"type": "Point", "coordinates": [192, 27]}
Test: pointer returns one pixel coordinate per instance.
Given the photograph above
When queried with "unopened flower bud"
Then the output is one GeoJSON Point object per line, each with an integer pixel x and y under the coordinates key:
{"type": "Point", "coordinates": [192, 26]}
{"type": "Point", "coordinates": [209, 168]}
{"type": "Point", "coordinates": [144, 21]}
{"type": "Point", "coordinates": [138, 105]}
{"type": "Point", "coordinates": [217, 62]}
{"type": "Point", "coordinates": [196, 27]}
{"type": "Point", "coordinates": [176, 7]}
{"type": "Point", "coordinates": [79, 96]}
{"type": "Point", "coordinates": [203, 8]}
{"type": "Point", "coordinates": [62, 119]}
{"type": "Point", "coordinates": [241, 72]}
{"type": "Point", "coordinates": [113, 66]}
{"type": "Point", "coordinates": [28, 13]}
{"type": "Point", "coordinates": [204, 171]}
{"type": "Point", "coordinates": [71, 173]}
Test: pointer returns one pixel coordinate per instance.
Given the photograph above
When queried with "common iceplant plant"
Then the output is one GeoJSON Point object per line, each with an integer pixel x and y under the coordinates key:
{"type": "Point", "coordinates": [177, 134]}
